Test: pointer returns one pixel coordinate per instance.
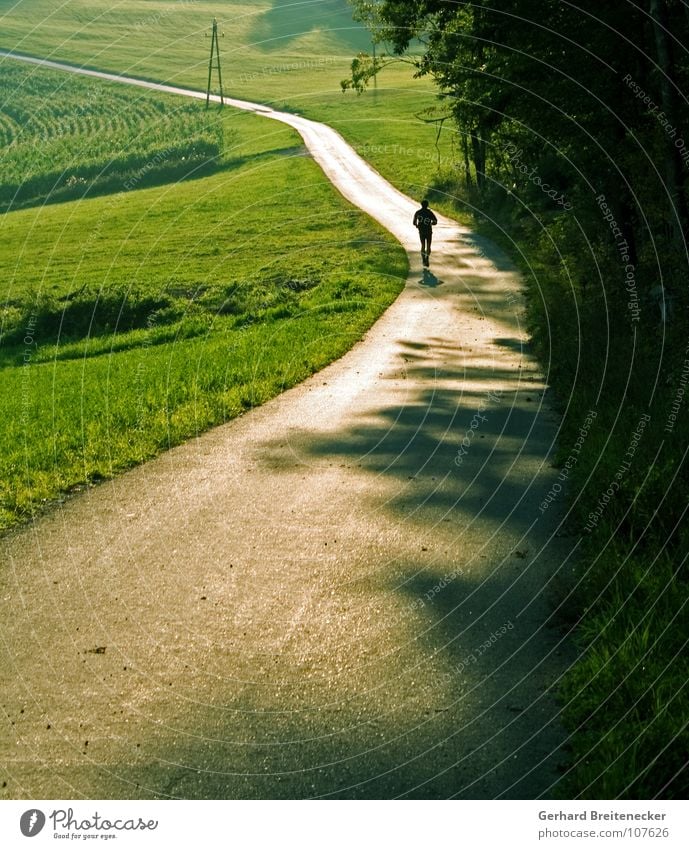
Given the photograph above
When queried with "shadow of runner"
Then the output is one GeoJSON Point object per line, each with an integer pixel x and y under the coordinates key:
{"type": "Point", "coordinates": [429, 279]}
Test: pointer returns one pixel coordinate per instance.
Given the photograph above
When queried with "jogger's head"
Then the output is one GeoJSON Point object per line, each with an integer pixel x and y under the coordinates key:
{"type": "Point", "coordinates": [424, 203]}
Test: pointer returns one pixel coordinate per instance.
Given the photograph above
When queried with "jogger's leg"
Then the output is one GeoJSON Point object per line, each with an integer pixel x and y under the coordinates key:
{"type": "Point", "coordinates": [425, 248]}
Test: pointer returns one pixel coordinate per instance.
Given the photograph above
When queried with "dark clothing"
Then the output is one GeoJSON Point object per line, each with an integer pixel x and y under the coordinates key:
{"type": "Point", "coordinates": [424, 219]}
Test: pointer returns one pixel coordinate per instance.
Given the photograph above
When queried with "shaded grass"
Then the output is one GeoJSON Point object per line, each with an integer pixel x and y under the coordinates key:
{"type": "Point", "coordinates": [625, 700]}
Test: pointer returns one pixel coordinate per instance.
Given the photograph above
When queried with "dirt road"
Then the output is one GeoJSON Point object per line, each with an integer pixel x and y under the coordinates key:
{"type": "Point", "coordinates": [344, 593]}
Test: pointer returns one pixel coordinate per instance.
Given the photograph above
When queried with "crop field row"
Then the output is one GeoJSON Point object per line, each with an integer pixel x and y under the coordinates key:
{"type": "Point", "coordinates": [63, 136]}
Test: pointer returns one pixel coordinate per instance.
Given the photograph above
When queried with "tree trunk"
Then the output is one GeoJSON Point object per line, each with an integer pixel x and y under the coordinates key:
{"type": "Point", "coordinates": [467, 163]}
{"type": "Point", "coordinates": [478, 149]}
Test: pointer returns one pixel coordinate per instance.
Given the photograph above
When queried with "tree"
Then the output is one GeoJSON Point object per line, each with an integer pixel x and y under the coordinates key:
{"type": "Point", "coordinates": [589, 94]}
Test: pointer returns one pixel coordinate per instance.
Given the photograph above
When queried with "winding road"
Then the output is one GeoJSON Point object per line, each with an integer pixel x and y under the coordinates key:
{"type": "Point", "coordinates": [345, 593]}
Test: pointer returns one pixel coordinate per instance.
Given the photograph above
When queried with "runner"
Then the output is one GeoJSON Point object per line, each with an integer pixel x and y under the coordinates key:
{"type": "Point", "coordinates": [424, 220]}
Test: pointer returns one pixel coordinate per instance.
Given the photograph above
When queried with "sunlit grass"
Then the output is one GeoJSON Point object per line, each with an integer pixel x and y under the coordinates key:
{"type": "Point", "coordinates": [139, 319]}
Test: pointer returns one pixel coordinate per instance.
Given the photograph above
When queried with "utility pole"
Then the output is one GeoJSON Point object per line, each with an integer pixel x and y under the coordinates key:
{"type": "Point", "coordinates": [215, 52]}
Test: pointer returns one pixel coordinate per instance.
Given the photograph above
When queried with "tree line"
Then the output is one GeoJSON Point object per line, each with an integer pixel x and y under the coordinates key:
{"type": "Point", "coordinates": [575, 109]}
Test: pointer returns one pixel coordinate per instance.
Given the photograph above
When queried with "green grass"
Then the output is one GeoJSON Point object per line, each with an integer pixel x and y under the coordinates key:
{"type": "Point", "coordinates": [64, 136]}
{"type": "Point", "coordinates": [268, 48]}
{"type": "Point", "coordinates": [292, 55]}
{"type": "Point", "coordinates": [134, 321]}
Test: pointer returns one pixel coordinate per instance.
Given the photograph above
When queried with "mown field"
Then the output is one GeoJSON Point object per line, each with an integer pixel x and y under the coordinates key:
{"type": "Point", "coordinates": [270, 48]}
{"type": "Point", "coordinates": [134, 320]}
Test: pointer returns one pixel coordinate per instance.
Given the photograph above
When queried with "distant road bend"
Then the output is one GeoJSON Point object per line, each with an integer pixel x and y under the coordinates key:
{"type": "Point", "coordinates": [343, 593]}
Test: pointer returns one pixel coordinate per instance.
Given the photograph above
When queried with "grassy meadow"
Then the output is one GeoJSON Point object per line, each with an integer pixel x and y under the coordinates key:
{"type": "Point", "coordinates": [292, 55]}
{"type": "Point", "coordinates": [135, 319]}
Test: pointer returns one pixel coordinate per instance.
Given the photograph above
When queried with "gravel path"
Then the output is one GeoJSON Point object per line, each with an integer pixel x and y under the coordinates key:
{"type": "Point", "coordinates": [324, 597]}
